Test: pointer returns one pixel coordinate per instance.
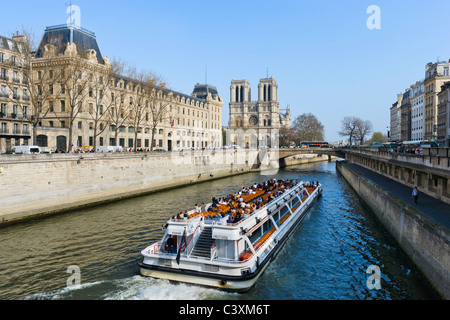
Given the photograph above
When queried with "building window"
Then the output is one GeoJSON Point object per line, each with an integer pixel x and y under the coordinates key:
{"type": "Point", "coordinates": [3, 74]}
{"type": "Point", "coordinates": [41, 140]}
{"type": "Point", "coordinates": [3, 91]}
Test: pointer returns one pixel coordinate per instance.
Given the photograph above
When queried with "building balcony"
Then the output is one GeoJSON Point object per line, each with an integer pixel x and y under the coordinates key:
{"type": "Point", "coordinates": [15, 132]}
{"type": "Point", "coordinates": [11, 63]}
{"type": "Point", "coordinates": [14, 116]}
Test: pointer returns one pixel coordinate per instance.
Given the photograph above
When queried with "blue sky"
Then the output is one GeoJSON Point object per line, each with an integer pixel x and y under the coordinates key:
{"type": "Point", "coordinates": [324, 58]}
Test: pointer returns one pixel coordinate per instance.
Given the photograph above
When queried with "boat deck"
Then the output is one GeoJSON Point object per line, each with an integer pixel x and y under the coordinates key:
{"type": "Point", "coordinates": [233, 209]}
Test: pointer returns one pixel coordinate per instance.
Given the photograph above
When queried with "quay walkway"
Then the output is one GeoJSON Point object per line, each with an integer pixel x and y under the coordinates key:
{"type": "Point", "coordinates": [435, 209]}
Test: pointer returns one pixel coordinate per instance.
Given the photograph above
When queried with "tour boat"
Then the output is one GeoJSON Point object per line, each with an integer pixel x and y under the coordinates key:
{"type": "Point", "coordinates": [228, 244]}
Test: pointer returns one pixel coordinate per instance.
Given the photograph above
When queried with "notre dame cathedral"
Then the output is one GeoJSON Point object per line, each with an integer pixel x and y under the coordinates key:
{"type": "Point", "coordinates": [259, 121]}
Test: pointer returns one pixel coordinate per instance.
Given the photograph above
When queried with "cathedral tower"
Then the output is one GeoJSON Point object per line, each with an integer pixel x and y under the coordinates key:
{"type": "Point", "coordinates": [261, 118]}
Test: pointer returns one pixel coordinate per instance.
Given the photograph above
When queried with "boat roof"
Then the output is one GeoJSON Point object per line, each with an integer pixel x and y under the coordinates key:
{"type": "Point", "coordinates": [253, 198]}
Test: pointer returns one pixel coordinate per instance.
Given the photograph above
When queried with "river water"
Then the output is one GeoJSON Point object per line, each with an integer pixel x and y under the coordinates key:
{"type": "Point", "coordinates": [326, 258]}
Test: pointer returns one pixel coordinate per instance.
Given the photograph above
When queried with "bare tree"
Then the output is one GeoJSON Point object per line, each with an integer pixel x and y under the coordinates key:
{"type": "Point", "coordinates": [306, 127]}
{"type": "Point", "coordinates": [118, 113]}
{"type": "Point", "coordinates": [286, 137]}
{"type": "Point", "coordinates": [348, 127]}
{"type": "Point", "coordinates": [158, 107]}
{"type": "Point", "coordinates": [157, 99]}
{"type": "Point", "coordinates": [101, 100]}
{"type": "Point", "coordinates": [74, 86]}
{"type": "Point", "coordinates": [143, 100]}
{"type": "Point", "coordinates": [363, 129]}
{"type": "Point", "coordinates": [137, 102]}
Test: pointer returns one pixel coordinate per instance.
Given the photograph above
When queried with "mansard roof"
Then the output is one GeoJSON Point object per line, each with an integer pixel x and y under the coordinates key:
{"type": "Point", "coordinates": [166, 90]}
{"type": "Point", "coordinates": [60, 35]}
{"type": "Point", "coordinates": [201, 90]}
{"type": "Point", "coordinates": [11, 45]}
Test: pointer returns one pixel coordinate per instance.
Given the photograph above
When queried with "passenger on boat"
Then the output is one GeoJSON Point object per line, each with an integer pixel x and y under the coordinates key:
{"type": "Point", "coordinates": [170, 244]}
{"type": "Point", "coordinates": [237, 218]}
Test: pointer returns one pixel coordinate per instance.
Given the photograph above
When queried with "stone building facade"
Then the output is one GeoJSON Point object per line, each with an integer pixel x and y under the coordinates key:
{"type": "Point", "coordinates": [82, 101]}
{"type": "Point", "coordinates": [417, 111]}
{"type": "Point", "coordinates": [256, 123]}
{"type": "Point", "coordinates": [436, 74]}
{"type": "Point", "coordinates": [15, 107]}
{"type": "Point", "coordinates": [443, 121]}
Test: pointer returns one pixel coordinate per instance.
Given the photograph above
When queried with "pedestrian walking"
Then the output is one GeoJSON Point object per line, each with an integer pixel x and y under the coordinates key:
{"type": "Point", "coordinates": [415, 194]}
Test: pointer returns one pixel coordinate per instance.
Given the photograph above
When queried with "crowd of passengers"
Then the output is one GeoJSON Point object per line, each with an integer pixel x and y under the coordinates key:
{"type": "Point", "coordinates": [238, 209]}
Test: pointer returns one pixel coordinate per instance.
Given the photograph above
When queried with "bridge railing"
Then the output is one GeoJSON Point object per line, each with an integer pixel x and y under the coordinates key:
{"type": "Point", "coordinates": [438, 158]}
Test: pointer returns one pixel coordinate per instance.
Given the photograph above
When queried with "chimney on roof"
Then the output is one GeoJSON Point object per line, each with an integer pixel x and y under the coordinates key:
{"type": "Point", "coordinates": [19, 38]}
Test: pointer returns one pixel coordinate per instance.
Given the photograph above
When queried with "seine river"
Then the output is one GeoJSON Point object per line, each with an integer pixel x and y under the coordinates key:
{"type": "Point", "coordinates": [326, 258]}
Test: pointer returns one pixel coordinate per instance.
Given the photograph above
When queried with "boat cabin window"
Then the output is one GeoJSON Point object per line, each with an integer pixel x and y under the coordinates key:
{"type": "Point", "coordinates": [226, 249]}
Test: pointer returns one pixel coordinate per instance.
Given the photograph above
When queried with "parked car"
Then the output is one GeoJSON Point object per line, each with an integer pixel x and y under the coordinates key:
{"type": "Point", "coordinates": [26, 150]}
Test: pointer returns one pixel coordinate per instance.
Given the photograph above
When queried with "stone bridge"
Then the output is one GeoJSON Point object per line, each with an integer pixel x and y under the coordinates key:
{"type": "Point", "coordinates": [336, 152]}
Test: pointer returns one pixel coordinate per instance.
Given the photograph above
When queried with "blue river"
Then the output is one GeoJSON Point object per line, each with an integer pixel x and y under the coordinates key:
{"type": "Point", "coordinates": [327, 258]}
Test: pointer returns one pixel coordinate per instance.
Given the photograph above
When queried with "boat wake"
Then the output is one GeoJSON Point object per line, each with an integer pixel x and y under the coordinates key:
{"type": "Point", "coordinates": [133, 288]}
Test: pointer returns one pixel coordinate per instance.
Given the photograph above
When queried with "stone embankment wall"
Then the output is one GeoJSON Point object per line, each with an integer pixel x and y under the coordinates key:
{"type": "Point", "coordinates": [426, 242]}
{"type": "Point", "coordinates": [33, 185]}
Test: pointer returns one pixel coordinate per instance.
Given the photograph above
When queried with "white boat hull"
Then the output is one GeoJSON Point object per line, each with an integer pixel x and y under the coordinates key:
{"type": "Point", "coordinates": [226, 276]}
